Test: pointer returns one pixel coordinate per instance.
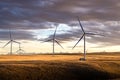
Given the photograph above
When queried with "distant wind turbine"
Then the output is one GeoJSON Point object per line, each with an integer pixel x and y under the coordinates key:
{"type": "Point", "coordinates": [10, 42]}
{"type": "Point", "coordinates": [54, 40]}
{"type": "Point", "coordinates": [84, 36]}
{"type": "Point", "coordinates": [20, 50]}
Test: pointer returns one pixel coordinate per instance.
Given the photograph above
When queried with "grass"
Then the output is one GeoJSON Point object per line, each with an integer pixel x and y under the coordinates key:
{"type": "Point", "coordinates": [60, 67]}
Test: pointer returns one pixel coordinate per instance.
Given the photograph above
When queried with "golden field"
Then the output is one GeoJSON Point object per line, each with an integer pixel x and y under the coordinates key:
{"type": "Point", "coordinates": [101, 66]}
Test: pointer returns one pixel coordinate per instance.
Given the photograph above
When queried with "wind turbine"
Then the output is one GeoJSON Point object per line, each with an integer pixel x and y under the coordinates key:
{"type": "Point", "coordinates": [54, 40]}
{"type": "Point", "coordinates": [84, 37]}
{"type": "Point", "coordinates": [20, 50]}
{"type": "Point", "coordinates": [10, 42]}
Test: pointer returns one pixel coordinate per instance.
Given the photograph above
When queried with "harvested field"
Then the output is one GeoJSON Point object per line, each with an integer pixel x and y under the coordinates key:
{"type": "Point", "coordinates": [60, 67]}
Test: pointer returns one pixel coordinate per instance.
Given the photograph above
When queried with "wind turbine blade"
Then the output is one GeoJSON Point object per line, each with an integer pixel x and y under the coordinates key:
{"type": "Point", "coordinates": [55, 33]}
{"type": "Point", "coordinates": [17, 51]}
{"type": "Point", "coordinates": [10, 34]}
{"type": "Point", "coordinates": [80, 25]}
{"type": "Point", "coordinates": [78, 41]}
{"type": "Point", "coordinates": [16, 42]}
{"type": "Point", "coordinates": [48, 40]}
{"type": "Point", "coordinates": [94, 34]}
{"type": "Point", "coordinates": [6, 44]}
{"type": "Point", "coordinates": [22, 50]}
{"type": "Point", "coordinates": [98, 34]}
{"type": "Point", "coordinates": [59, 44]}
{"type": "Point", "coordinates": [91, 33]}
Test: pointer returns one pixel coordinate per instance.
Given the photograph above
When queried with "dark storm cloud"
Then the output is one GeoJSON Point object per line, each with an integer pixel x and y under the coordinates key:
{"type": "Point", "coordinates": [92, 9]}
{"type": "Point", "coordinates": [20, 13]}
{"type": "Point", "coordinates": [42, 14]}
{"type": "Point", "coordinates": [17, 35]}
{"type": "Point", "coordinates": [110, 30]}
{"type": "Point", "coordinates": [60, 11]}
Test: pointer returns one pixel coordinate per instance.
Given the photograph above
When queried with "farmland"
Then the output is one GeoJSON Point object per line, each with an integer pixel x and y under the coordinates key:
{"type": "Point", "coordinates": [60, 67]}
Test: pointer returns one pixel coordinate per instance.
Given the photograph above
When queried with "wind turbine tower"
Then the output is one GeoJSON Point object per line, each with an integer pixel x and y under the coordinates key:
{"type": "Point", "coordinates": [20, 50]}
{"type": "Point", "coordinates": [54, 40]}
{"type": "Point", "coordinates": [84, 34]}
{"type": "Point", "coordinates": [10, 42]}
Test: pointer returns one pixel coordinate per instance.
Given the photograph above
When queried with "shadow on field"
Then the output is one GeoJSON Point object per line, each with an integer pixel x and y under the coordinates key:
{"type": "Point", "coordinates": [53, 71]}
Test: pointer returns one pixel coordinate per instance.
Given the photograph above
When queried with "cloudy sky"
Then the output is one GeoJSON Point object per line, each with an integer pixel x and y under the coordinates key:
{"type": "Point", "coordinates": [33, 21]}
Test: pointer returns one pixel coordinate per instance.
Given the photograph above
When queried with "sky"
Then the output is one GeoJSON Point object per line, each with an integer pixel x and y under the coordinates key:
{"type": "Point", "coordinates": [32, 22]}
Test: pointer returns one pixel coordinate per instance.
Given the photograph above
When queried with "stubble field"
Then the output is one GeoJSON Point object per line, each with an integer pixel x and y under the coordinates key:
{"type": "Point", "coordinates": [60, 67]}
